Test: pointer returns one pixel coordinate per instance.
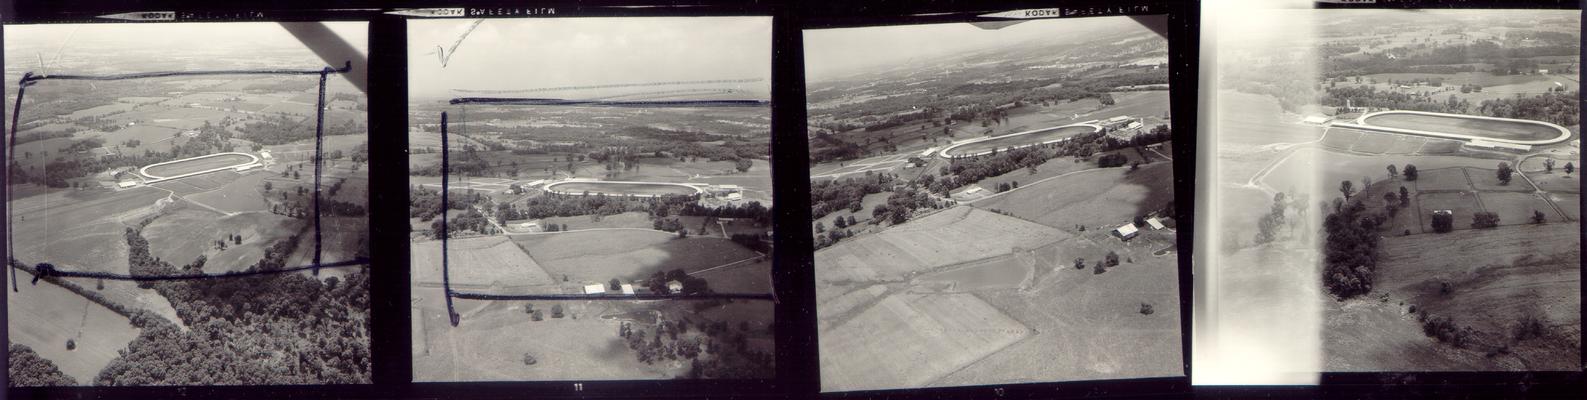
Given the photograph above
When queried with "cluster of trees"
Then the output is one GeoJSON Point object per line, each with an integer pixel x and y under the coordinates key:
{"type": "Point", "coordinates": [828, 196]}
{"type": "Point", "coordinates": [470, 220]}
{"type": "Point", "coordinates": [668, 224]}
{"type": "Point", "coordinates": [1554, 107]}
{"type": "Point", "coordinates": [68, 164]}
{"type": "Point", "coordinates": [1350, 249]}
{"type": "Point", "coordinates": [752, 242]}
{"type": "Point", "coordinates": [263, 329]}
{"type": "Point", "coordinates": [29, 369]}
{"type": "Point", "coordinates": [1445, 330]}
{"type": "Point", "coordinates": [1271, 226]}
{"type": "Point", "coordinates": [728, 347]}
{"type": "Point", "coordinates": [282, 128]}
{"type": "Point", "coordinates": [1448, 58]}
{"type": "Point", "coordinates": [1368, 96]}
{"type": "Point", "coordinates": [425, 204]}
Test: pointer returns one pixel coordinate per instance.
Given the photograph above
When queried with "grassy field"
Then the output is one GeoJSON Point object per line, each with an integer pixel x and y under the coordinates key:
{"type": "Point", "coordinates": [1517, 208]}
{"type": "Point", "coordinates": [1569, 203]}
{"type": "Point", "coordinates": [745, 278]}
{"type": "Point", "coordinates": [1097, 199]}
{"type": "Point", "coordinates": [1089, 326]}
{"type": "Point", "coordinates": [183, 235]}
{"type": "Point", "coordinates": [494, 336]}
{"type": "Point", "coordinates": [1465, 126]}
{"type": "Point", "coordinates": [1555, 182]}
{"type": "Point", "coordinates": [44, 316]}
{"type": "Point", "coordinates": [1007, 141]}
{"type": "Point", "coordinates": [244, 194]}
{"type": "Point", "coordinates": [80, 230]}
{"type": "Point", "coordinates": [619, 189]}
{"type": "Point", "coordinates": [948, 237]}
{"type": "Point", "coordinates": [491, 263]}
{"type": "Point", "coordinates": [1442, 179]}
{"type": "Point", "coordinates": [910, 341]}
{"type": "Point", "coordinates": [1495, 277]}
{"type": "Point", "coordinates": [597, 256]}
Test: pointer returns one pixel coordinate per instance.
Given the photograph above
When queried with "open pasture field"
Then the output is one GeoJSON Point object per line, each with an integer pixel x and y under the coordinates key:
{"type": "Point", "coordinates": [183, 235]}
{"type": "Point", "coordinates": [620, 188]}
{"type": "Point", "coordinates": [1387, 143]}
{"type": "Point", "coordinates": [748, 277]}
{"type": "Point", "coordinates": [1341, 139]}
{"type": "Point", "coordinates": [1442, 179]}
{"type": "Point", "coordinates": [1094, 198]}
{"type": "Point", "coordinates": [355, 188]}
{"type": "Point", "coordinates": [100, 111]}
{"type": "Point", "coordinates": [1089, 326]}
{"type": "Point", "coordinates": [1003, 272]}
{"type": "Point", "coordinates": [626, 254]}
{"type": "Point", "coordinates": [244, 194]}
{"type": "Point", "coordinates": [911, 341]}
{"type": "Point", "coordinates": [1569, 203]}
{"type": "Point", "coordinates": [199, 183]}
{"type": "Point", "coordinates": [1556, 181]}
{"type": "Point", "coordinates": [1495, 277]}
{"type": "Point", "coordinates": [1017, 140]}
{"type": "Point", "coordinates": [175, 168]}
{"type": "Point", "coordinates": [490, 262]}
{"type": "Point", "coordinates": [45, 316]}
{"type": "Point", "coordinates": [1464, 125]}
{"type": "Point", "coordinates": [33, 154]}
{"type": "Point", "coordinates": [1487, 180]}
{"type": "Point", "coordinates": [1253, 119]}
{"type": "Point", "coordinates": [174, 117]}
{"type": "Point", "coordinates": [1320, 171]}
{"type": "Point", "coordinates": [148, 136]}
{"type": "Point", "coordinates": [78, 229]}
{"type": "Point", "coordinates": [1516, 208]}
{"type": "Point", "coordinates": [951, 236]}
{"type": "Point", "coordinates": [494, 336]}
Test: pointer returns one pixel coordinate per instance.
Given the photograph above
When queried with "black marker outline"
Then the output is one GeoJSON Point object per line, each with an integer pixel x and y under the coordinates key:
{"type": "Point", "coordinates": [446, 171]}
{"type": "Point", "coordinates": [47, 269]}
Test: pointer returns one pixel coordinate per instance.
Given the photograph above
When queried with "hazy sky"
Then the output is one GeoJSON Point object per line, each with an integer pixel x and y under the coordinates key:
{"type": "Point", "coordinates": [72, 40]}
{"type": "Point", "coordinates": [555, 52]}
{"type": "Point", "coordinates": [834, 53]}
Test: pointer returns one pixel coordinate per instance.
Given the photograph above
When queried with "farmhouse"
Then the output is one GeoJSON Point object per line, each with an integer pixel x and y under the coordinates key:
{"type": "Point", "coordinates": [1126, 232]}
{"type": "Point", "coordinates": [126, 184]}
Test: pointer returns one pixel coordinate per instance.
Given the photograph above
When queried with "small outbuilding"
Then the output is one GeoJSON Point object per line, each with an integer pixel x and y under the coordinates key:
{"type": "Point", "coordinates": [674, 286]}
{"type": "Point", "coordinates": [1154, 223]}
{"type": "Point", "coordinates": [595, 289]}
{"type": "Point", "coordinates": [1126, 232]}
